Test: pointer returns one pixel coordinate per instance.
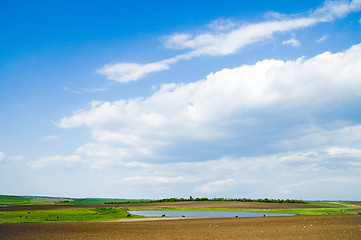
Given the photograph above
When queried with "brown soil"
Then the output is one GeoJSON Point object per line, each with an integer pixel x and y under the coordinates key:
{"type": "Point", "coordinates": [294, 227]}
{"type": "Point", "coordinates": [352, 202]}
{"type": "Point", "coordinates": [254, 205]}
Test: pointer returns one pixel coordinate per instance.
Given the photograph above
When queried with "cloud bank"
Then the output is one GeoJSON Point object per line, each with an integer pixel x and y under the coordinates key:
{"type": "Point", "coordinates": [251, 127]}
{"type": "Point", "coordinates": [231, 105]}
{"type": "Point", "coordinates": [225, 37]}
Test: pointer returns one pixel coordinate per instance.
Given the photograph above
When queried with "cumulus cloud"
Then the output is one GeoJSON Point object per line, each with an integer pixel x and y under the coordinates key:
{"type": "Point", "coordinates": [240, 176]}
{"type": "Point", "coordinates": [292, 41]}
{"type": "Point", "coordinates": [2, 156]}
{"type": "Point", "coordinates": [248, 176]}
{"type": "Point", "coordinates": [228, 110]}
{"type": "Point", "coordinates": [226, 37]}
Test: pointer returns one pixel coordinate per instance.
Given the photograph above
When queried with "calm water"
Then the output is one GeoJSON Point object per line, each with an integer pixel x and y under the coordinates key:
{"type": "Point", "coordinates": [208, 214]}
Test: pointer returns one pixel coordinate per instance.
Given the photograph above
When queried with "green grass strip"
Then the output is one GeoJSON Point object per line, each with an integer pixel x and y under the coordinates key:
{"type": "Point", "coordinates": [12, 200]}
{"type": "Point", "coordinates": [64, 215]}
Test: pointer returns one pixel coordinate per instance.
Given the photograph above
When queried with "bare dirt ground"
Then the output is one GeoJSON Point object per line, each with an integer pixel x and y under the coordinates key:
{"type": "Point", "coordinates": [294, 227]}
{"type": "Point", "coordinates": [254, 205]}
{"type": "Point", "coordinates": [352, 202]}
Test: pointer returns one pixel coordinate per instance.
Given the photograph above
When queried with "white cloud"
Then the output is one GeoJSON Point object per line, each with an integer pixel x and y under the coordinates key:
{"type": "Point", "coordinates": [126, 72]}
{"type": "Point", "coordinates": [3, 157]}
{"type": "Point", "coordinates": [227, 107]}
{"type": "Point", "coordinates": [246, 176]}
{"type": "Point", "coordinates": [55, 160]}
{"type": "Point", "coordinates": [154, 180]}
{"type": "Point", "coordinates": [94, 90]}
{"type": "Point", "coordinates": [344, 151]}
{"type": "Point", "coordinates": [216, 186]}
{"type": "Point", "coordinates": [226, 37]}
{"type": "Point", "coordinates": [215, 44]}
{"type": "Point", "coordinates": [342, 180]}
{"type": "Point", "coordinates": [265, 175]}
{"type": "Point", "coordinates": [322, 39]}
{"type": "Point", "coordinates": [337, 9]}
{"type": "Point", "coordinates": [349, 136]}
{"type": "Point", "coordinates": [292, 41]}
{"type": "Point", "coordinates": [222, 25]}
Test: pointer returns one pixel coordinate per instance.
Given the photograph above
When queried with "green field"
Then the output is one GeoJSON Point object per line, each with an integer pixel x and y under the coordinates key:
{"type": "Point", "coordinates": [341, 210]}
{"type": "Point", "coordinates": [65, 215]}
{"type": "Point", "coordinates": [12, 200]}
{"type": "Point", "coordinates": [113, 213]}
{"type": "Point", "coordinates": [16, 201]}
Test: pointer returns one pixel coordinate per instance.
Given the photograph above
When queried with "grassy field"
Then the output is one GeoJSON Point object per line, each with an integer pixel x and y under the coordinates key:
{"type": "Point", "coordinates": [88, 201]}
{"type": "Point", "coordinates": [78, 219]}
{"type": "Point", "coordinates": [341, 209]}
{"type": "Point", "coordinates": [17, 201]}
{"type": "Point", "coordinates": [91, 214]}
{"type": "Point", "coordinates": [65, 215]}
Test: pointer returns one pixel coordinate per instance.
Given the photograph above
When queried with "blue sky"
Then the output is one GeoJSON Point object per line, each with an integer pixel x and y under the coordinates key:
{"type": "Point", "coordinates": [139, 99]}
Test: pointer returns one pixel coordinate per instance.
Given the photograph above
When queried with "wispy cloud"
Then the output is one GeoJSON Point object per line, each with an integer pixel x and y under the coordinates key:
{"type": "Point", "coordinates": [226, 37]}
{"type": "Point", "coordinates": [4, 157]}
{"type": "Point", "coordinates": [94, 90]}
{"type": "Point", "coordinates": [54, 160]}
{"type": "Point", "coordinates": [154, 179]}
{"type": "Point", "coordinates": [215, 186]}
{"type": "Point", "coordinates": [126, 72]}
{"type": "Point", "coordinates": [322, 39]}
{"type": "Point", "coordinates": [88, 90]}
{"type": "Point", "coordinates": [336, 9]}
{"type": "Point", "coordinates": [292, 41]}
{"type": "Point", "coordinates": [216, 44]}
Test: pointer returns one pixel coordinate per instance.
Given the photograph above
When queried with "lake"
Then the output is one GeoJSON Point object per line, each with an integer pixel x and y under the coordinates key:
{"type": "Point", "coordinates": [206, 214]}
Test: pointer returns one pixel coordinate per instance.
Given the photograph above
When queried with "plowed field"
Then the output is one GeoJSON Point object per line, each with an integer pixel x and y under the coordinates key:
{"type": "Point", "coordinates": [295, 227]}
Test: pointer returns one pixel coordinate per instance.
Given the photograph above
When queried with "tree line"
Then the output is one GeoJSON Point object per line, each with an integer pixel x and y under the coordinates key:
{"type": "Point", "coordinates": [262, 200]}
